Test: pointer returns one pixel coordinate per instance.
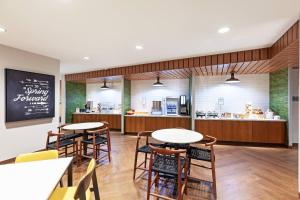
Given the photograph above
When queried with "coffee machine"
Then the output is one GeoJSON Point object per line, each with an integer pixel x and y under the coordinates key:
{"type": "Point", "coordinates": [183, 105]}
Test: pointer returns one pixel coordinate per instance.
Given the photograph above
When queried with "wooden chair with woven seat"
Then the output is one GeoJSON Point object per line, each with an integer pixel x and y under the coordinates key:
{"type": "Point", "coordinates": [206, 154]}
{"type": "Point", "coordinates": [81, 192]}
{"type": "Point", "coordinates": [36, 156]}
{"type": "Point", "coordinates": [167, 163]}
{"type": "Point", "coordinates": [105, 134]}
{"type": "Point", "coordinates": [145, 149]}
{"type": "Point", "coordinates": [97, 140]}
{"type": "Point", "coordinates": [68, 134]}
{"type": "Point", "coordinates": [63, 145]}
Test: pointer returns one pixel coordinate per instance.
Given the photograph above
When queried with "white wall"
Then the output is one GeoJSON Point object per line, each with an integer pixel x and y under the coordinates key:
{"type": "Point", "coordinates": [252, 89]}
{"type": "Point", "coordinates": [26, 136]}
{"type": "Point", "coordinates": [142, 91]}
{"type": "Point", "coordinates": [113, 95]}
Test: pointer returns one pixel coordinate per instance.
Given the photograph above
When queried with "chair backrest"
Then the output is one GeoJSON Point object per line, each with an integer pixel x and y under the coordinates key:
{"type": "Point", "coordinates": [163, 151]}
{"type": "Point", "coordinates": [56, 135]}
{"type": "Point", "coordinates": [42, 155]}
{"type": "Point", "coordinates": [141, 134]}
{"type": "Point", "coordinates": [106, 124]}
{"type": "Point", "coordinates": [211, 140]}
{"type": "Point", "coordinates": [85, 181]}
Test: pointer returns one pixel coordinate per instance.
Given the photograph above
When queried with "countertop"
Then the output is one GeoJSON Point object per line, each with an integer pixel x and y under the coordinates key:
{"type": "Point", "coordinates": [182, 116]}
{"type": "Point", "coordinates": [233, 119]}
{"type": "Point", "coordinates": [96, 113]}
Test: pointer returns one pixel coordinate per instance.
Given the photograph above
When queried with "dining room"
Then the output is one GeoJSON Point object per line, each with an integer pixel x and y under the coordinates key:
{"type": "Point", "coordinates": [147, 100]}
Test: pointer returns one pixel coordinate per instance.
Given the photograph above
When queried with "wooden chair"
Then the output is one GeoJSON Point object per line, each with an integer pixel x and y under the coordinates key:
{"type": "Point", "coordinates": [207, 155]}
{"type": "Point", "coordinates": [145, 149]}
{"type": "Point", "coordinates": [81, 192]}
{"type": "Point", "coordinates": [60, 144]}
{"type": "Point", "coordinates": [98, 139]}
{"type": "Point", "coordinates": [167, 162]}
{"type": "Point", "coordinates": [68, 134]}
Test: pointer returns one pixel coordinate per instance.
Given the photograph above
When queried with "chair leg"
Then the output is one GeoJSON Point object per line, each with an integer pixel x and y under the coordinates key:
{"type": "Point", "coordinates": [213, 170]}
{"type": "Point", "coordinates": [80, 150]}
{"type": "Point", "coordinates": [156, 179]}
{"type": "Point", "coordinates": [77, 156]}
{"type": "Point", "coordinates": [189, 166]}
{"type": "Point", "coordinates": [149, 182]}
{"type": "Point", "coordinates": [145, 164]}
{"type": "Point", "coordinates": [108, 152]}
{"type": "Point", "coordinates": [95, 152]}
{"type": "Point", "coordinates": [135, 163]}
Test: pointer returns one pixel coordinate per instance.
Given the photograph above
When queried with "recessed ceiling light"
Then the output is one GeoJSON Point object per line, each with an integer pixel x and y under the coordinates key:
{"type": "Point", "coordinates": [139, 47]}
{"type": "Point", "coordinates": [2, 30]}
{"type": "Point", "coordinates": [86, 58]}
{"type": "Point", "coordinates": [224, 30]}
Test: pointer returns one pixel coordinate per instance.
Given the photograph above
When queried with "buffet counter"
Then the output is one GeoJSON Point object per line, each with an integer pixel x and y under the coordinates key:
{"type": "Point", "coordinates": [136, 123]}
{"type": "Point", "coordinates": [114, 120]}
{"type": "Point", "coordinates": [244, 130]}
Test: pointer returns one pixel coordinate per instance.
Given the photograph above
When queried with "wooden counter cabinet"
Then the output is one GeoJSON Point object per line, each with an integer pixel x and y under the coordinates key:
{"type": "Point", "coordinates": [114, 120]}
{"type": "Point", "coordinates": [255, 131]}
{"type": "Point", "coordinates": [134, 124]}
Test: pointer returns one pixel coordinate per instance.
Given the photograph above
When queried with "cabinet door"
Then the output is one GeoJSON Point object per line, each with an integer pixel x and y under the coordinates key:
{"type": "Point", "coordinates": [210, 127]}
{"type": "Point", "coordinates": [134, 124]}
{"type": "Point", "coordinates": [178, 122]}
{"type": "Point", "coordinates": [155, 123]}
{"type": "Point", "coordinates": [269, 132]}
{"type": "Point", "coordinates": [237, 131]}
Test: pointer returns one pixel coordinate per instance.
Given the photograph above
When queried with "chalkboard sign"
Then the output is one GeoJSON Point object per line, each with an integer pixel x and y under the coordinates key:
{"type": "Point", "coordinates": [29, 95]}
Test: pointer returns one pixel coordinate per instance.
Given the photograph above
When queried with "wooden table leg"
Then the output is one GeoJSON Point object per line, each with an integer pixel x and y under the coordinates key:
{"type": "Point", "coordinates": [85, 137]}
{"type": "Point", "coordinates": [95, 186]}
{"type": "Point", "coordinates": [70, 175]}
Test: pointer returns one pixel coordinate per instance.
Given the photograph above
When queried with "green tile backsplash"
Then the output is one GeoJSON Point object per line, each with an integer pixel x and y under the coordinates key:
{"type": "Point", "coordinates": [279, 92]}
{"type": "Point", "coordinates": [75, 98]}
{"type": "Point", "coordinates": [127, 96]}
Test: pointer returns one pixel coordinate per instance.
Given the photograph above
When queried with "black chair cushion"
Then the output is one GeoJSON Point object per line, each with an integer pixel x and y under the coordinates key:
{"type": "Point", "coordinates": [99, 140]}
{"type": "Point", "coordinates": [71, 136]}
{"type": "Point", "coordinates": [167, 164]}
{"type": "Point", "coordinates": [199, 154]}
{"type": "Point", "coordinates": [63, 143]}
{"type": "Point", "coordinates": [147, 149]}
{"type": "Point", "coordinates": [177, 146]}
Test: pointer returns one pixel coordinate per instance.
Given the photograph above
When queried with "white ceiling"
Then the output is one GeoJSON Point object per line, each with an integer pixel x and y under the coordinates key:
{"type": "Point", "coordinates": [108, 30]}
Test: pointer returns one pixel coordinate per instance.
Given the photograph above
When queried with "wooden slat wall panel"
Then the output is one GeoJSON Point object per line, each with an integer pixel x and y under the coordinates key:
{"type": "Point", "coordinates": [282, 53]}
{"type": "Point", "coordinates": [205, 65]}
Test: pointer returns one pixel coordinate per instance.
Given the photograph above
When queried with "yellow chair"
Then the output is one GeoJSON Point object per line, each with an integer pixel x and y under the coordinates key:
{"type": "Point", "coordinates": [82, 191]}
{"type": "Point", "coordinates": [42, 155]}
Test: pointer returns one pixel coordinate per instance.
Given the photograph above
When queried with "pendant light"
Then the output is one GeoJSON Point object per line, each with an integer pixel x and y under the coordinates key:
{"type": "Point", "coordinates": [104, 87]}
{"type": "Point", "coordinates": [232, 79]}
{"type": "Point", "coordinates": [158, 83]}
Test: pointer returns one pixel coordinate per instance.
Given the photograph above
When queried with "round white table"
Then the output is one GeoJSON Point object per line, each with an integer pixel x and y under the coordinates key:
{"type": "Point", "coordinates": [177, 136]}
{"type": "Point", "coordinates": [83, 126]}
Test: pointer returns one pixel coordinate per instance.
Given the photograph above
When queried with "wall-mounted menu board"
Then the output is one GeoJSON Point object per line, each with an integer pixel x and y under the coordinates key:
{"type": "Point", "coordinates": [29, 95]}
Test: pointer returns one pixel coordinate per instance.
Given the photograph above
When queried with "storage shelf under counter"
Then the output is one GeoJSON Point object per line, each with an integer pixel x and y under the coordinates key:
{"type": "Point", "coordinates": [244, 130]}
{"type": "Point", "coordinates": [137, 123]}
{"type": "Point", "coordinates": [113, 119]}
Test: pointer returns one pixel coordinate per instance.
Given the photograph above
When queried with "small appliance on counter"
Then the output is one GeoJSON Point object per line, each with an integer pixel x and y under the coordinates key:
{"type": "Point", "coordinates": [183, 105]}
{"type": "Point", "coordinates": [269, 114]}
{"type": "Point", "coordinates": [200, 114]}
{"type": "Point", "coordinates": [212, 114]}
{"type": "Point", "coordinates": [156, 108]}
{"type": "Point", "coordinates": [171, 106]}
